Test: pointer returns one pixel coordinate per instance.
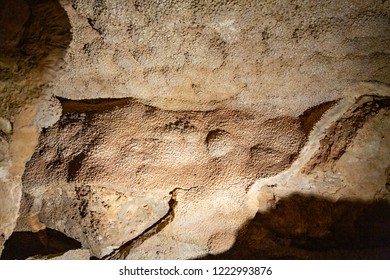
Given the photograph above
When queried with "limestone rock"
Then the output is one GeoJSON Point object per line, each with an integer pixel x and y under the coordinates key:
{"type": "Point", "coordinates": [274, 57]}
{"type": "Point", "coordinates": [78, 254]}
{"type": "Point", "coordinates": [119, 171]}
{"type": "Point", "coordinates": [188, 129]}
{"type": "Point", "coordinates": [34, 36]}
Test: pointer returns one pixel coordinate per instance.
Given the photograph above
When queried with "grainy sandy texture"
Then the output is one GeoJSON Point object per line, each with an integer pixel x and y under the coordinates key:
{"type": "Point", "coordinates": [274, 57]}
{"type": "Point", "coordinates": [228, 108]}
{"type": "Point", "coordinates": [119, 160]}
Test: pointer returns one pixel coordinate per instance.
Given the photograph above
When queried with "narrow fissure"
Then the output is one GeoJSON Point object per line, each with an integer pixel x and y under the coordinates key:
{"type": "Point", "coordinates": [123, 251]}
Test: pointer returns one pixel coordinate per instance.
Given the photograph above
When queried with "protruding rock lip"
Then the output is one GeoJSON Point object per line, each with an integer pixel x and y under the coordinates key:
{"type": "Point", "coordinates": [340, 134]}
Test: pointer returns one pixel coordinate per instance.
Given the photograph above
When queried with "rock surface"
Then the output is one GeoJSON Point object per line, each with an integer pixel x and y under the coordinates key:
{"type": "Point", "coordinates": [78, 254]}
{"type": "Point", "coordinates": [193, 129]}
{"type": "Point", "coordinates": [274, 57]}
{"type": "Point", "coordinates": [120, 171]}
{"type": "Point", "coordinates": [34, 36]}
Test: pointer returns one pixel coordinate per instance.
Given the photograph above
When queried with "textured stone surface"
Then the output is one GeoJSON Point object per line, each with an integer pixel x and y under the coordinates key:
{"type": "Point", "coordinates": [274, 57]}
{"type": "Point", "coordinates": [33, 39]}
{"type": "Point", "coordinates": [79, 254]}
{"type": "Point", "coordinates": [119, 172]}
{"type": "Point", "coordinates": [12, 162]}
{"type": "Point", "coordinates": [231, 111]}
{"type": "Point", "coordinates": [358, 177]}
{"type": "Point", "coordinates": [167, 185]}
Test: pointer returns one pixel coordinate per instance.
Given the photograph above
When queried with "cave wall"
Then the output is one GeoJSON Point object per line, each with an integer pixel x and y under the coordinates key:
{"type": "Point", "coordinates": [275, 57]}
{"type": "Point", "coordinates": [160, 129]}
{"type": "Point", "coordinates": [34, 38]}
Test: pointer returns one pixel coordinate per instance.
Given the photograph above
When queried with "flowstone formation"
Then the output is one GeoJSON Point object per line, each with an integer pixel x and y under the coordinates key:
{"type": "Point", "coordinates": [120, 172]}
{"type": "Point", "coordinates": [194, 129]}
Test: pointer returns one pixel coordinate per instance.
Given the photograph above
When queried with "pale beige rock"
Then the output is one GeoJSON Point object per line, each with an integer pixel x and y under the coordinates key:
{"type": "Point", "coordinates": [359, 174]}
{"type": "Point", "coordinates": [78, 254]}
{"type": "Point", "coordinates": [274, 57]}
{"type": "Point", "coordinates": [4, 157]}
{"type": "Point", "coordinates": [5, 126]}
{"type": "Point", "coordinates": [215, 129]}
{"type": "Point", "coordinates": [220, 242]}
{"type": "Point", "coordinates": [21, 146]}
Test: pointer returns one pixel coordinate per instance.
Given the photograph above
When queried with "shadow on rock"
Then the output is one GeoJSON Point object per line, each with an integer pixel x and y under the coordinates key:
{"type": "Point", "coordinates": [22, 245]}
{"type": "Point", "coordinates": [308, 227]}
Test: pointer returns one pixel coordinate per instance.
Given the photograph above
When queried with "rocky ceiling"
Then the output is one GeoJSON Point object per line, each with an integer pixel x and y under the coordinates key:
{"type": "Point", "coordinates": [195, 129]}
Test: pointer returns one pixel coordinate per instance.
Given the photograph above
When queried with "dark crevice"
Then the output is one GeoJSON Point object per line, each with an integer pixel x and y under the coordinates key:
{"type": "Point", "coordinates": [310, 227]}
{"type": "Point", "coordinates": [22, 245]}
{"type": "Point", "coordinates": [92, 106]}
{"type": "Point", "coordinates": [92, 22]}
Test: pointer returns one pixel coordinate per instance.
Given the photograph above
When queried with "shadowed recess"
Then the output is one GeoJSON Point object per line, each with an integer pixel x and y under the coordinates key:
{"type": "Point", "coordinates": [309, 227]}
{"type": "Point", "coordinates": [34, 37]}
{"type": "Point", "coordinates": [22, 245]}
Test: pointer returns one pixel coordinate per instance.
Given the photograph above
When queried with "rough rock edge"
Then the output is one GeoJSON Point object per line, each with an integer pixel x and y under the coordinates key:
{"type": "Point", "coordinates": [123, 251]}
{"type": "Point", "coordinates": [266, 187]}
{"type": "Point", "coordinates": [340, 134]}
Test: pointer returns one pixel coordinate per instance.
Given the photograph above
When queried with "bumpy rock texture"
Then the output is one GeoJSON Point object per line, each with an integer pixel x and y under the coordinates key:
{"type": "Point", "coordinates": [119, 170]}
{"type": "Point", "coordinates": [182, 129]}
{"type": "Point", "coordinates": [275, 57]}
